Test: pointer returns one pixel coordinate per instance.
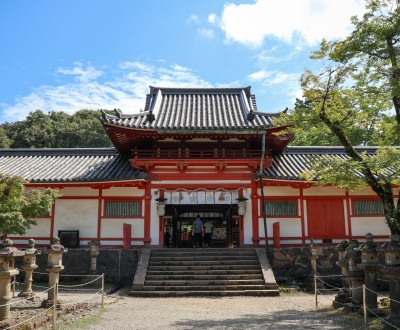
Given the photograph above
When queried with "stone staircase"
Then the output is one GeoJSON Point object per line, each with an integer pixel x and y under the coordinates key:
{"type": "Point", "coordinates": [203, 272]}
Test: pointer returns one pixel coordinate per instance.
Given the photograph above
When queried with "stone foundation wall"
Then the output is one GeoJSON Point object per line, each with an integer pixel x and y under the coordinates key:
{"type": "Point", "coordinates": [292, 265]}
{"type": "Point", "coordinates": [118, 265]}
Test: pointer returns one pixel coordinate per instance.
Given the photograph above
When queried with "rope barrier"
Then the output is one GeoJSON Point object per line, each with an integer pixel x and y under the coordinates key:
{"type": "Point", "coordinates": [32, 318]}
{"type": "Point", "coordinates": [78, 285]}
{"type": "Point", "coordinates": [25, 299]}
{"type": "Point", "coordinates": [81, 301]}
{"type": "Point", "coordinates": [67, 275]}
{"type": "Point", "coordinates": [382, 319]}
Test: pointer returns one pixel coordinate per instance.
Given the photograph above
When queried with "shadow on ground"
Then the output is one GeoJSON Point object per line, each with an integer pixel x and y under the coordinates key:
{"type": "Point", "coordinates": [277, 320]}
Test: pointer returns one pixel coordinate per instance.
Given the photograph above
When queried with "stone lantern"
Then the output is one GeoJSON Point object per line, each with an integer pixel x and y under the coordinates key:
{"type": "Point", "coordinates": [313, 258]}
{"type": "Point", "coordinates": [7, 271]}
{"type": "Point", "coordinates": [392, 272]}
{"type": "Point", "coordinates": [355, 276]}
{"type": "Point", "coordinates": [369, 265]}
{"type": "Point", "coordinates": [161, 206]}
{"type": "Point", "coordinates": [54, 267]}
{"type": "Point", "coordinates": [94, 253]}
{"type": "Point", "coordinates": [242, 205]}
{"type": "Point", "coordinates": [343, 262]}
{"type": "Point", "coordinates": [29, 265]}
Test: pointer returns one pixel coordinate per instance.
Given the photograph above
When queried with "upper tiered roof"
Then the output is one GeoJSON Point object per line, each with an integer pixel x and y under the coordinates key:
{"type": "Point", "coordinates": [195, 109]}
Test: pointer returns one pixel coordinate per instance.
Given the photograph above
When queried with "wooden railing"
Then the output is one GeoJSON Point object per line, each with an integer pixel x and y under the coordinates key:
{"type": "Point", "coordinates": [186, 153]}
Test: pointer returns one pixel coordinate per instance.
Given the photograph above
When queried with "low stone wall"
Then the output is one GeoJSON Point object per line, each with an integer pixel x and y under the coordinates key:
{"type": "Point", "coordinates": [292, 265]}
{"type": "Point", "coordinates": [118, 265]}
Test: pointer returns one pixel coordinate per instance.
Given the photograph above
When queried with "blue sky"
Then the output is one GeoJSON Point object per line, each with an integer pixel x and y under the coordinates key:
{"type": "Point", "coordinates": [67, 55]}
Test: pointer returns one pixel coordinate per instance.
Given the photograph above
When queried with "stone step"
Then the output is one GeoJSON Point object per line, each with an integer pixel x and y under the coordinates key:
{"type": "Point", "coordinates": [201, 252]}
{"type": "Point", "coordinates": [167, 263]}
{"type": "Point", "coordinates": [204, 282]}
{"type": "Point", "coordinates": [185, 271]}
{"type": "Point", "coordinates": [203, 258]}
{"type": "Point", "coordinates": [230, 293]}
{"type": "Point", "coordinates": [203, 287]}
{"type": "Point", "coordinates": [207, 267]}
{"type": "Point", "coordinates": [204, 277]}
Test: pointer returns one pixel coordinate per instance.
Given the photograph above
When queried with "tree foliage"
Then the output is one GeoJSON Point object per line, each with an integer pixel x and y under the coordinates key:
{"type": "Point", "coordinates": [57, 130]}
{"type": "Point", "coordinates": [19, 206]}
{"type": "Point", "coordinates": [355, 100]}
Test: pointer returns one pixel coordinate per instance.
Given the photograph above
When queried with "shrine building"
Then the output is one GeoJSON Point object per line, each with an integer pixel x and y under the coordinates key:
{"type": "Point", "coordinates": [205, 151]}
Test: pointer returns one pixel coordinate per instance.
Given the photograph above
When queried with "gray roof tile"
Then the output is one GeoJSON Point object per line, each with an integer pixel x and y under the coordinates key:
{"type": "Point", "coordinates": [68, 165]}
{"type": "Point", "coordinates": [195, 109]}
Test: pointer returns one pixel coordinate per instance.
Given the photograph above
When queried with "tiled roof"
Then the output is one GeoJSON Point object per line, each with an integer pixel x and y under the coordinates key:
{"type": "Point", "coordinates": [195, 109]}
{"type": "Point", "coordinates": [295, 160]}
{"type": "Point", "coordinates": [68, 165]}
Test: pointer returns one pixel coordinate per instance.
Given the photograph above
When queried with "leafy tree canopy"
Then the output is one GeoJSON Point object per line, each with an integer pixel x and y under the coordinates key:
{"type": "Point", "coordinates": [19, 206]}
{"type": "Point", "coordinates": [56, 130]}
{"type": "Point", "coordinates": [355, 100]}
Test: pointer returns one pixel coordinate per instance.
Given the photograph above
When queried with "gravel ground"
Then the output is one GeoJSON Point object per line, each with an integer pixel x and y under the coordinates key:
{"type": "Point", "coordinates": [289, 311]}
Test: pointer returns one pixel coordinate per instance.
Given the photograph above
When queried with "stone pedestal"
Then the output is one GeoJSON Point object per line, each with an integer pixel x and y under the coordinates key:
{"type": "Point", "coordinates": [355, 276]}
{"type": "Point", "coordinates": [310, 283]}
{"type": "Point", "coordinates": [94, 253]}
{"type": "Point", "coordinates": [7, 271]}
{"type": "Point", "coordinates": [392, 272]}
{"type": "Point", "coordinates": [29, 265]}
{"type": "Point", "coordinates": [54, 267]}
{"type": "Point", "coordinates": [344, 296]}
{"type": "Point", "coordinates": [369, 265]}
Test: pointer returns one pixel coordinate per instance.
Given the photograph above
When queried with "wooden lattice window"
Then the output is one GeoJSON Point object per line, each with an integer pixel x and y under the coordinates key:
{"type": "Point", "coordinates": [122, 209]}
{"type": "Point", "coordinates": [368, 207]}
{"type": "Point", "coordinates": [281, 208]}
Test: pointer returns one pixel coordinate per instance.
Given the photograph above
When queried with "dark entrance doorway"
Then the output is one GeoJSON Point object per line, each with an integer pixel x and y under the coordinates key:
{"type": "Point", "coordinates": [178, 222]}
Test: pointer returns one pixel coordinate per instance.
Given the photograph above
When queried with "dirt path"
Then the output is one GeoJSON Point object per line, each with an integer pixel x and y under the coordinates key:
{"type": "Point", "coordinates": [289, 311]}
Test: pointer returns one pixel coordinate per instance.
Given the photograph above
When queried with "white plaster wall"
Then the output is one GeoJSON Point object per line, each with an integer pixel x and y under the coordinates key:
{"type": "Point", "coordinates": [289, 227]}
{"type": "Point", "coordinates": [248, 223]}
{"type": "Point", "coordinates": [123, 191]}
{"type": "Point", "coordinates": [280, 191]}
{"type": "Point", "coordinates": [42, 229]}
{"type": "Point", "coordinates": [374, 225]}
{"type": "Point", "coordinates": [111, 228]}
{"type": "Point", "coordinates": [79, 191]}
{"type": "Point", "coordinates": [154, 221]}
{"type": "Point", "coordinates": [76, 214]}
{"type": "Point", "coordinates": [324, 191]}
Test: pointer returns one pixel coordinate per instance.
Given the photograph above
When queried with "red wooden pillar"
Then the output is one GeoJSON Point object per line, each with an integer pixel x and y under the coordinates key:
{"type": "Point", "coordinates": [127, 232]}
{"type": "Point", "coordinates": [254, 205]}
{"type": "Point", "coordinates": [161, 225]}
{"type": "Point", "coordinates": [276, 228]}
{"type": "Point", "coordinates": [147, 215]}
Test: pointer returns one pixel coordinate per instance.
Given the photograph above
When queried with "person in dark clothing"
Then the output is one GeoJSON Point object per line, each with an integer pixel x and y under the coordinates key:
{"type": "Point", "coordinates": [167, 236]}
{"type": "Point", "coordinates": [197, 231]}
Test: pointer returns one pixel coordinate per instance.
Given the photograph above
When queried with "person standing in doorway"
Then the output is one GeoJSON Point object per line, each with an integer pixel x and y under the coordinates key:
{"type": "Point", "coordinates": [208, 228]}
{"type": "Point", "coordinates": [197, 231]}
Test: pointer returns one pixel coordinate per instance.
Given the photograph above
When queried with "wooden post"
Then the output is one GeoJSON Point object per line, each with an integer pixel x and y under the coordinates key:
{"type": "Point", "coordinates": [276, 234]}
{"type": "Point", "coordinates": [127, 230]}
{"type": "Point", "coordinates": [365, 304]}
{"type": "Point", "coordinates": [102, 290]}
{"type": "Point", "coordinates": [315, 292]}
{"type": "Point", "coordinates": [55, 294]}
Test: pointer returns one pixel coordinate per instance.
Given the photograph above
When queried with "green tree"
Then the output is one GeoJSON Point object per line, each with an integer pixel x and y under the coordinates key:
{"type": "Point", "coordinates": [58, 130]}
{"type": "Point", "coordinates": [19, 206]}
{"type": "Point", "coordinates": [356, 98]}
{"type": "Point", "coordinates": [5, 142]}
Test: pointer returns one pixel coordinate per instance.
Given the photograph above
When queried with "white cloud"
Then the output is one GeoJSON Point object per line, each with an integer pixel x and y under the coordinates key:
{"type": "Point", "coordinates": [81, 74]}
{"type": "Point", "coordinates": [206, 33]}
{"type": "Point", "coordinates": [213, 19]}
{"type": "Point", "coordinates": [192, 19]}
{"type": "Point", "coordinates": [305, 20]}
{"type": "Point", "coordinates": [125, 91]}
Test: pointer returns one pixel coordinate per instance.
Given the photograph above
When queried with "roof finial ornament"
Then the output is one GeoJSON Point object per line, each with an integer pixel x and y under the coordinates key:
{"type": "Point", "coordinates": [150, 116]}
{"type": "Point", "coordinates": [251, 115]}
{"type": "Point", "coordinates": [117, 112]}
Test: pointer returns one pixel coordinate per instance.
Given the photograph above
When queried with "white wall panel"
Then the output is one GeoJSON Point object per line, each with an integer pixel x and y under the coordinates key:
{"type": "Point", "coordinates": [111, 228]}
{"type": "Point", "coordinates": [76, 214]}
{"type": "Point", "coordinates": [123, 191]}
{"type": "Point", "coordinates": [374, 225]}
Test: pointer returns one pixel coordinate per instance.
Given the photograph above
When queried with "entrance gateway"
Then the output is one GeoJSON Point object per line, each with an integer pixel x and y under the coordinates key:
{"type": "Point", "coordinates": [218, 207]}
